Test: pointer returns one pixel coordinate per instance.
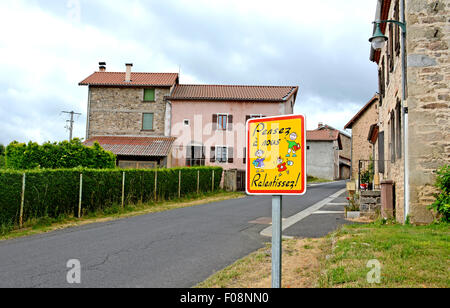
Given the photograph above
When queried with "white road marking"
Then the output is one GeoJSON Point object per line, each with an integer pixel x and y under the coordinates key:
{"type": "Point", "coordinates": [302, 215]}
{"type": "Point", "coordinates": [328, 212]}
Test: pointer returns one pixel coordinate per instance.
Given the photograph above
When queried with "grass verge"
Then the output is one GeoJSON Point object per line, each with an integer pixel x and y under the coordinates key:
{"type": "Point", "coordinates": [410, 256]}
{"type": "Point", "coordinates": [314, 180]}
{"type": "Point", "coordinates": [47, 224]}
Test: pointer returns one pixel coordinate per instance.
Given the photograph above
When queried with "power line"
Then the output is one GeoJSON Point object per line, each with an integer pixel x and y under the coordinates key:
{"type": "Point", "coordinates": [71, 122]}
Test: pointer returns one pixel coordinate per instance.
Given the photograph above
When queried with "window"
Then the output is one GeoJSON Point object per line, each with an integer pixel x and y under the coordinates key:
{"type": "Point", "coordinates": [195, 156]}
{"type": "Point", "coordinates": [381, 166]}
{"type": "Point", "coordinates": [392, 143]}
{"type": "Point", "coordinates": [222, 122]}
{"type": "Point", "coordinates": [399, 129]}
{"type": "Point", "coordinates": [391, 48]}
{"type": "Point", "coordinates": [245, 156]}
{"type": "Point", "coordinates": [397, 27]}
{"type": "Point", "coordinates": [149, 95]}
{"type": "Point", "coordinates": [222, 154]}
{"type": "Point", "coordinates": [147, 121]}
{"type": "Point", "coordinates": [382, 75]}
{"type": "Point", "coordinates": [187, 122]}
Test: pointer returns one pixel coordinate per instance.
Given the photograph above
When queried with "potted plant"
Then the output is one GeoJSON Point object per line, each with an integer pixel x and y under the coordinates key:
{"type": "Point", "coordinates": [352, 210]}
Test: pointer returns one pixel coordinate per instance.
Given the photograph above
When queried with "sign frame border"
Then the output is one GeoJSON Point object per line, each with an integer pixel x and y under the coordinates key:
{"type": "Point", "coordinates": [247, 164]}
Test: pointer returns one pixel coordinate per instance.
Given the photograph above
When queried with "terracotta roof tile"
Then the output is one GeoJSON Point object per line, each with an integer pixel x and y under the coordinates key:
{"type": "Point", "coordinates": [134, 146]}
{"type": "Point", "coordinates": [322, 135]}
{"type": "Point", "coordinates": [137, 79]}
{"type": "Point", "coordinates": [232, 92]}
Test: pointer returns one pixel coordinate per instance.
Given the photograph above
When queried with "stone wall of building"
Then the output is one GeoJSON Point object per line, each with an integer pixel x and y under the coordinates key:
{"type": "Point", "coordinates": [119, 111]}
{"type": "Point", "coordinates": [346, 146]}
{"type": "Point", "coordinates": [428, 100]}
{"type": "Point", "coordinates": [361, 147]}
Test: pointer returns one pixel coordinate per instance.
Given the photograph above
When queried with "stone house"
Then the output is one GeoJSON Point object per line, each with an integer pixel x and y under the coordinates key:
{"type": "Point", "coordinates": [209, 121]}
{"type": "Point", "coordinates": [361, 148]}
{"type": "Point", "coordinates": [127, 115]}
{"type": "Point", "coordinates": [327, 153]}
{"type": "Point", "coordinates": [414, 127]}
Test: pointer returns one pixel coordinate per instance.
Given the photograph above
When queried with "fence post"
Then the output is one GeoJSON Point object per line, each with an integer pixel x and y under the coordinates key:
{"type": "Point", "coordinates": [198, 182]}
{"type": "Point", "coordinates": [179, 184]}
{"type": "Point", "coordinates": [123, 190]}
{"type": "Point", "coordinates": [22, 202]}
{"type": "Point", "coordinates": [156, 185]}
{"type": "Point", "coordinates": [213, 180]}
{"type": "Point", "coordinates": [81, 195]}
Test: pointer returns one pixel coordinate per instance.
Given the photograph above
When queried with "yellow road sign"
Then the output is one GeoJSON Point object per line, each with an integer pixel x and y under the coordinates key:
{"type": "Point", "coordinates": [276, 151]}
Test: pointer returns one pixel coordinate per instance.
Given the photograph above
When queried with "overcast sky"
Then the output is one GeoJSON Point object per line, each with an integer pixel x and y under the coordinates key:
{"type": "Point", "coordinates": [47, 47]}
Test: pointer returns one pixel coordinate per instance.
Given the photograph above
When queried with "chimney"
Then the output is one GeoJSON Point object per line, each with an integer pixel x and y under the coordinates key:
{"type": "Point", "coordinates": [102, 66]}
{"type": "Point", "coordinates": [128, 72]}
{"type": "Point", "coordinates": [320, 125]}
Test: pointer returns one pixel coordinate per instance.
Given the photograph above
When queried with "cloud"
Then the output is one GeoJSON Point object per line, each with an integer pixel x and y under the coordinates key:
{"type": "Point", "coordinates": [50, 46]}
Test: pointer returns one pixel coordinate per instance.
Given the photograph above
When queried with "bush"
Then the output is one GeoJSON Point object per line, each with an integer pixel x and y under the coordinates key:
{"type": "Point", "coordinates": [55, 193]}
{"type": "Point", "coordinates": [442, 203]}
{"type": "Point", "coordinates": [62, 155]}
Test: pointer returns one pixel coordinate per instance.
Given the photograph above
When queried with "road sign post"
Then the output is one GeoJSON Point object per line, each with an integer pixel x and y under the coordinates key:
{"type": "Point", "coordinates": [277, 207]}
{"type": "Point", "coordinates": [276, 166]}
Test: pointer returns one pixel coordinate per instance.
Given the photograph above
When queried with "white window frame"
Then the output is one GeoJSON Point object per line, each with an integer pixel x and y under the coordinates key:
{"type": "Point", "coordinates": [226, 153]}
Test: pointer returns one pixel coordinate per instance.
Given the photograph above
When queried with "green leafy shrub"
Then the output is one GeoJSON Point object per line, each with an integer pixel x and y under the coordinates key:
{"type": "Point", "coordinates": [62, 155]}
{"type": "Point", "coordinates": [55, 193]}
{"type": "Point", "coordinates": [442, 203]}
{"type": "Point", "coordinates": [2, 156]}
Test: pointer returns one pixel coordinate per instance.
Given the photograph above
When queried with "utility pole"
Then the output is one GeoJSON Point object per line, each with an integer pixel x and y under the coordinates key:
{"type": "Point", "coordinates": [71, 121]}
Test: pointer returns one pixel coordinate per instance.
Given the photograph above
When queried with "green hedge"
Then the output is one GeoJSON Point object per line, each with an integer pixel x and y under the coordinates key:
{"type": "Point", "coordinates": [62, 155]}
{"type": "Point", "coordinates": [55, 193]}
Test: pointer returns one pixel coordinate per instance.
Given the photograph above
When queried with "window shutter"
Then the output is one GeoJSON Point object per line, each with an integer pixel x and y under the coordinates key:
{"type": "Point", "coordinates": [230, 122]}
{"type": "Point", "coordinates": [230, 155]}
{"type": "Point", "coordinates": [214, 122]}
{"type": "Point", "coordinates": [147, 121]}
{"type": "Point", "coordinates": [149, 95]}
{"type": "Point", "coordinates": [381, 152]}
{"type": "Point", "coordinates": [213, 155]}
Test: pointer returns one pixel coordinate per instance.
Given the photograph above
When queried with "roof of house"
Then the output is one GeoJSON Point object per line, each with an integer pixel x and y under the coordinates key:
{"type": "Point", "coordinates": [134, 146]}
{"type": "Point", "coordinates": [322, 135]}
{"type": "Point", "coordinates": [137, 79]}
{"type": "Point", "coordinates": [361, 112]}
{"type": "Point", "coordinates": [233, 93]}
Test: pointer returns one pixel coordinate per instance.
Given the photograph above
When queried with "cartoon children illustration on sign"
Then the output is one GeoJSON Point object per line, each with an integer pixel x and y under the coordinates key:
{"type": "Point", "coordinates": [259, 162]}
{"type": "Point", "coordinates": [294, 146]}
{"type": "Point", "coordinates": [283, 166]}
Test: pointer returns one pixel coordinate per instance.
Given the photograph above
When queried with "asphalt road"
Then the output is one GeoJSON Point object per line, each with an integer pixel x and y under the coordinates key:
{"type": "Point", "coordinates": [178, 248]}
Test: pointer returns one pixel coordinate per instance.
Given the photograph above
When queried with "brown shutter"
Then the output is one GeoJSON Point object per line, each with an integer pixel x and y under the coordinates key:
{"type": "Point", "coordinates": [214, 121]}
{"type": "Point", "coordinates": [381, 152]}
{"type": "Point", "coordinates": [230, 122]}
{"type": "Point", "coordinates": [230, 155]}
{"type": "Point", "coordinates": [213, 155]}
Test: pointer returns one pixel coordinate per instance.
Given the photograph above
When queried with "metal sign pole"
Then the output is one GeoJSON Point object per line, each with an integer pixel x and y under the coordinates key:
{"type": "Point", "coordinates": [277, 205]}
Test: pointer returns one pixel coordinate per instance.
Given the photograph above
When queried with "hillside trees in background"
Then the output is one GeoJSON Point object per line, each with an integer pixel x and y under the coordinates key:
{"type": "Point", "coordinates": [61, 155]}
